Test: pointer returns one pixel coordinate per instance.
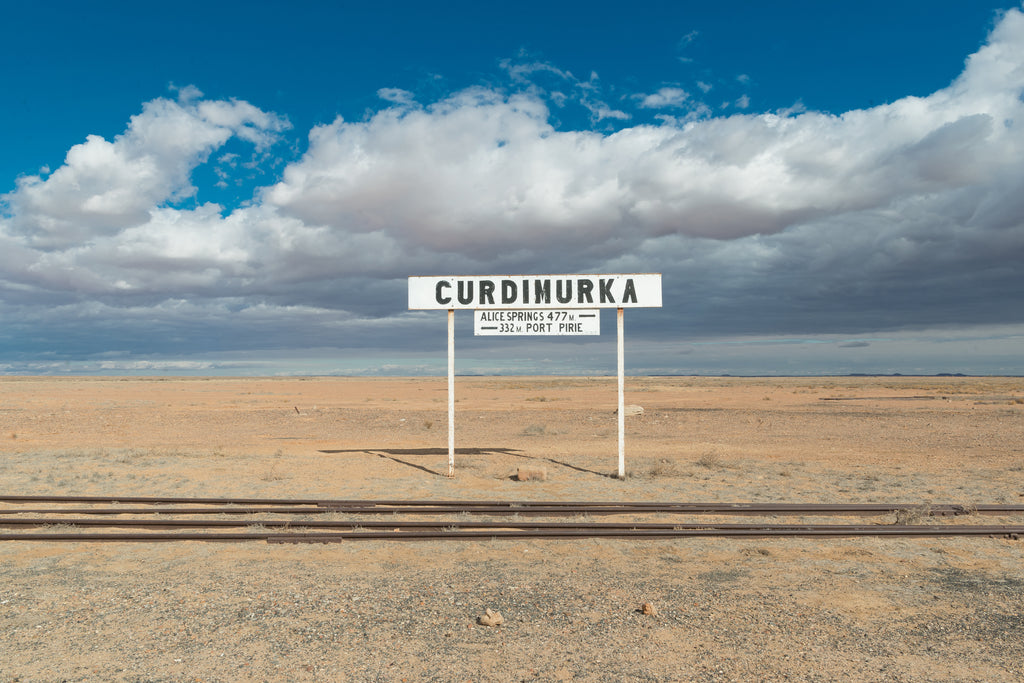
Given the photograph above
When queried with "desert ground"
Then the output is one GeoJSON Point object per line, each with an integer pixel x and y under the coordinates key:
{"type": "Point", "coordinates": [760, 609]}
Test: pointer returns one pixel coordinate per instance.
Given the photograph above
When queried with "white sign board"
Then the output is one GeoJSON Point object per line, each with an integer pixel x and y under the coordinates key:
{"type": "Point", "coordinates": [632, 290]}
{"type": "Point", "coordinates": [541, 322]}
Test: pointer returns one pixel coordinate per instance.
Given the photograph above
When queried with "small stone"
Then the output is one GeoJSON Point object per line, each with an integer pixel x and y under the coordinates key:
{"type": "Point", "coordinates": [649, 609]}
{"type": "Point", "coordinates": [631, 410]}
{"type": "Point", "coordinates": [490, 618]}
{"type": "Point", "coordinates": [531, 474]}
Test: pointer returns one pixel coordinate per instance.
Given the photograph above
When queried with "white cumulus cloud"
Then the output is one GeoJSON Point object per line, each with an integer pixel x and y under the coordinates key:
{"type": "Point", "coordinates": [106, 186]}
{"type": "Point", "coordinates": [483, 170]}
{"type": "Point", "coordinates": [665, 98]}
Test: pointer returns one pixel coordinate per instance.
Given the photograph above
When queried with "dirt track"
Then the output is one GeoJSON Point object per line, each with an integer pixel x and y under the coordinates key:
{"type": "Point", "coordinates": [840, 609]}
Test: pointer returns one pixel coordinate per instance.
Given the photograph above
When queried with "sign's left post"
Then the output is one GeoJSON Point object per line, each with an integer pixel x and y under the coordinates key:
{"type": "Point", "coordinates": [451, 392]}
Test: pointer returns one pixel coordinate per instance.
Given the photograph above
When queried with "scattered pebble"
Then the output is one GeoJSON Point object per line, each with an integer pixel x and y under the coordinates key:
{"type": "Point", "coordinates": [490, 618]}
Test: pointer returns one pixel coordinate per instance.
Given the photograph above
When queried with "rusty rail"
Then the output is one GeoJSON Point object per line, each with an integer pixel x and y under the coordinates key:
{"type": "Point", "coordinates": [179, 523]}
{"type": "Point", "coordinates": [575, 532]}
{"type": "Point", "coordinates": [423, 507]}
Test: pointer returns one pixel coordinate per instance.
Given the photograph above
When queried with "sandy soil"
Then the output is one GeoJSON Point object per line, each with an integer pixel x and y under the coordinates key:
{"type": "Point", "coordinates": [755, 609]}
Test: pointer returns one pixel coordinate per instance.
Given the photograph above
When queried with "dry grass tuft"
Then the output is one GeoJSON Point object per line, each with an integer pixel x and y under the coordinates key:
{"type": "Point", "coordinates": [711, 460]}
{"type": "Point", "coordinates": [914, 515]}
{"type": "Point", "coordinates": [534, 430]}
{"type": "Point", "coordinates": [654, 468]}
{"type": "Point", "coordinates": [463, 462]}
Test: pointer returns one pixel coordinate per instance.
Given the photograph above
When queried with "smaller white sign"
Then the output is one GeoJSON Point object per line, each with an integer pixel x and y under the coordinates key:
{"type": "Point", "coordinates": [543, 322]}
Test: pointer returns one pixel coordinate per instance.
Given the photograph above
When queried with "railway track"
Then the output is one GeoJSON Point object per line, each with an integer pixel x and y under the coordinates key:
{"type": "Point", "coordinates": [152, 519]}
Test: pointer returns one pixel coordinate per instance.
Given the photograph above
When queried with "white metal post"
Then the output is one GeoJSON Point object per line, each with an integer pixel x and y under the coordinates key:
{"type": "Point", "coordinates": [622, 396]}
{"type": "Point", "coordinates": [451, 392]}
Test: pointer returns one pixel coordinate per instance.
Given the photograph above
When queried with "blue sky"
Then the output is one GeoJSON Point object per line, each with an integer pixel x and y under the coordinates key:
{"type": "Point", "coordinates": [243, 188]}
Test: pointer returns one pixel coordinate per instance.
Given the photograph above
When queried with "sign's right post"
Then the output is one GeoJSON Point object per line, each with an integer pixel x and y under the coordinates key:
{"type": "Point", "coordinates": [622, 394]}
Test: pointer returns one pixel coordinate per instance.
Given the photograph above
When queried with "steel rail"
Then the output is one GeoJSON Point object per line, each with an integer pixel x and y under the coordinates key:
{"type": "Point", "coordinates": [447, 526]}
{"type": "Point", "coordinates": [535, 511]}
{"type": "Point", "coordinates": [479, 503]}
{"type": "Point", "coordinates": [300, 506]}
{"type": "Point", "coordinates": [837, 530]}
{"type": "Point", "coordinates": [538, 510]}
{"type": "Point", "coordinates": [310, 501]}
{"type": "Point", "coordinates": [158, 510]}
{"type": "Point", "coordinates": [747, 531]}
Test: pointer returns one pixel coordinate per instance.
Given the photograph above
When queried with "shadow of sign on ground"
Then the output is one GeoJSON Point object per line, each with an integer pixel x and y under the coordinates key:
{"type": "Point", "coordinates": [394, 454]}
